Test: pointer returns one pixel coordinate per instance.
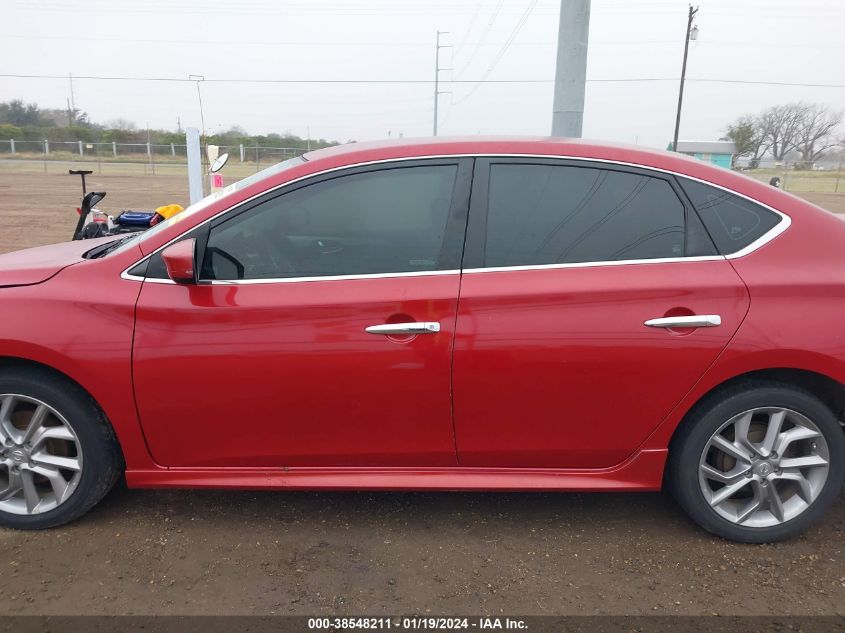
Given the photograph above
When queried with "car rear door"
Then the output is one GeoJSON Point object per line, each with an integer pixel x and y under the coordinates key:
{"type": "Point", "coordinates": [559, 361]}
{"type": "Point", "coordinates": [320, 332]}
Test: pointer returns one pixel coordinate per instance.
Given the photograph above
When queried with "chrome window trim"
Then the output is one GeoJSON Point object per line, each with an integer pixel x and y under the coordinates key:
{"type": "Point", "coordinates": [281, 280]}
{"type": "Point", "coordinates": [615, 262]}
{"type": "Point", "coordinates": [778, 229]}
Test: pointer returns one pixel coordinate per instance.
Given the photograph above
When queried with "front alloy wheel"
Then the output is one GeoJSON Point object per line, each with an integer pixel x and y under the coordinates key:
{"type": "Point", "coordinates": [40, 456]}
{"type": "Point", "coordinates": [58, 453]}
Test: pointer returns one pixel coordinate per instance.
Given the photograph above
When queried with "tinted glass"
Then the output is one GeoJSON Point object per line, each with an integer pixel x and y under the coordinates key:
{"type": "Point", "coordinates": [385, 221]}
{"type": "Point", "coordinates": [545, 214]}
{"type": "Point", "coordinates": [733, 222]}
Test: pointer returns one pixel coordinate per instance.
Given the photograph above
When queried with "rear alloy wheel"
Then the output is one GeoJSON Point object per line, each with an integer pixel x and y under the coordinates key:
{"type": "Point", "coordinates": [759, 462]}
{"type": "Point", "coordinates": [764, 467]}
{"type": "Point", "coordinates": [40, 456]}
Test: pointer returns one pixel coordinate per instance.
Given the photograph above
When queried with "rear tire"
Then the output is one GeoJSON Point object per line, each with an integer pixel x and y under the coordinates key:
{"type": "Point", "coordinates": [58, 452]}
{"type": "Point", "coordinates": [725, 471]}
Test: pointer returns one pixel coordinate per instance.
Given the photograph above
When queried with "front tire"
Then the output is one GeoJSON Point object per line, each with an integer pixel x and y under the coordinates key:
{"type": "Point", "coordinates": [758, 462]}
{"type": "Point", "coordinates": [58, 453]}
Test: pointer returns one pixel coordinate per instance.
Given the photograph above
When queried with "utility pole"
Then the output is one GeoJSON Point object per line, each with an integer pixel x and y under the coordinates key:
{"type": "Point", "coordinates": [571, 71]}
{"type": "Point", "coordinates": [198, 79]}
{"type": "Point", "coordinates": [437, 69]}
{"type": "Point", "coordinates": [72, 106]}
{"type": "Point", "coordinates": [692, 33]}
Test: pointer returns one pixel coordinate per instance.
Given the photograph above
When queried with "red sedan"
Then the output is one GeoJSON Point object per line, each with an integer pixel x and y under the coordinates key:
{"type": "Point", "coordinates": [486, 314]}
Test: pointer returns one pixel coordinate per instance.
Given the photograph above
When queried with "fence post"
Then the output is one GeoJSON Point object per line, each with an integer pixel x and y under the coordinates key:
{"type": "Point", "coordinates": [12, 144]}
{"type": "Point", "coordinates": [114, 148]}
{"type": "Point", "coordinates": [80, 147]}
{"type": "Point", "coordinates": [172, 149]}
{"type": "Point", "coordinates": [149, 153]}
{"type": "Point", "coordinates": [46, 147]}
{"type": "Point", "coordinates": [242, 152]}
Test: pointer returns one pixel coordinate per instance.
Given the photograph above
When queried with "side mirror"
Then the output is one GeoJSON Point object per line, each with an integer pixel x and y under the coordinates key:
{"type": "Point", "coordinates": [219, 163]}
{"type": "Point", "coordinates": [179, 260]}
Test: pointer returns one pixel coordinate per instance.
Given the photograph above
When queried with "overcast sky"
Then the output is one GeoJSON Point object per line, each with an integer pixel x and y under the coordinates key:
{"type": "Point", "coordinates": [756, 40]}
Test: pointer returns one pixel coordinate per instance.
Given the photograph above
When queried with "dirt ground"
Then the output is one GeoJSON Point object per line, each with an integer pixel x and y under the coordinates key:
{"type": "Point", "coordinates": [211, 552]}
{"type": "Point", "coordinates": [207, 552]}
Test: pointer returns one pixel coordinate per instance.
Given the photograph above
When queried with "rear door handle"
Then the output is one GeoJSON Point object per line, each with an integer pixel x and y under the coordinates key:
{"type": "Point", "coordinates": [424, 327]}
{"type": "Point", "coordinates": [693, 320]}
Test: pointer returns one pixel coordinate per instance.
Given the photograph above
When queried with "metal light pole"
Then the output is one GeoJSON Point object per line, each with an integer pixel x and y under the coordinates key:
{"type": "Point", "coordinates": [692, 33]}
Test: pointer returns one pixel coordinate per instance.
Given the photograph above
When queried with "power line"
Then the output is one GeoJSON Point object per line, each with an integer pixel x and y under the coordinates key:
{"type": "Point", "coordinates": [484, 33]}
{"type": "Point", "coordinates": [406, 44]}
{"type": "Point", "coordinates": [475, 15]}
{"type": "Point", "coordinates": [241, 80]}
{"type": "Point", "coordinates": [522, 20]}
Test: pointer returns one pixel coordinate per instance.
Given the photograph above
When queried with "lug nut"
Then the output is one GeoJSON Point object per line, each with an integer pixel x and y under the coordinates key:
{"type": "Point", "coordinates": [774, 455]}
{"type": "Point", "coordinates": [764, 482]}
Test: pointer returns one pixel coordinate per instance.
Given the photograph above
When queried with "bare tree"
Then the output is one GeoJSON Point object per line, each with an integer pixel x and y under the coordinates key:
{"type": "Point", "coordinates": [815, 132]}
{"type": "Point", "coordinates": [779, 126]}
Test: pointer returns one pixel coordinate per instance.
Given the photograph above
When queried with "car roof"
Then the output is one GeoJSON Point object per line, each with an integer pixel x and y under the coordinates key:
{"type": "Point", "coordinates": [542, 145]}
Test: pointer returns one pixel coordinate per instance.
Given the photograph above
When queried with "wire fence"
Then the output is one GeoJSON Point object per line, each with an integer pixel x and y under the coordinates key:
{"type": "Point", "coordinates": [147, 153]}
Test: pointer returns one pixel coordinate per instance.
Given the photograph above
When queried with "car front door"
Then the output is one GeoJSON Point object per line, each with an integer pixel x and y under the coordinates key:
{"type": "Point", "coordinates": [268, 360]}
{"type": "Point", "coordinates": [555, 365]}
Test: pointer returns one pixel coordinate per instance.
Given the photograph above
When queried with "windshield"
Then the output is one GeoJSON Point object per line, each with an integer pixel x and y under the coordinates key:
{"type": "Point", "coordinates": [207, 201]}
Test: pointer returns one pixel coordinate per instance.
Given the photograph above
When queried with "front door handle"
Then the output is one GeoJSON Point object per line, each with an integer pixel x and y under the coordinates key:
{"type": "Point", "coordinates": [425, 327]}
{"type": "Point", "coordinates": [693, 320]}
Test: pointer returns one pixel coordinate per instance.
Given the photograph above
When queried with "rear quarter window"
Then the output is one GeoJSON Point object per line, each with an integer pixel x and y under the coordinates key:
{"type": "Point", "coordinates": [733, 222]}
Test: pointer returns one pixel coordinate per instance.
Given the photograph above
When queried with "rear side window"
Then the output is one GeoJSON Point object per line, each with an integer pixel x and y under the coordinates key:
{"type": "Point", "coordinates": [553, 214]}
{"type": "Point", "coordinates": [732, 221]}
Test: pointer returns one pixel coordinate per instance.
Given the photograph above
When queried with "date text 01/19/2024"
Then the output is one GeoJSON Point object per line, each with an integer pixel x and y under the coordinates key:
{"type": "Point", "coordinates": [417, 623]}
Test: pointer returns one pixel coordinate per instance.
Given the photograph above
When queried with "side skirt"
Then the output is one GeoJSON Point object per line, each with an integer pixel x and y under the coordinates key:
{"type": "Point", "coordinates": [643, 471]}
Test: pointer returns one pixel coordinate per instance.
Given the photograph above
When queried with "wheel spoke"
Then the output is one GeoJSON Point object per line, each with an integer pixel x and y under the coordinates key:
{"type": "Point", "coordinates": [724, 477]}
{"type": "Point", "coordinates": [805, 491]}
{"type": "Point", "coordinates": [30, 492]}
{"type": "Point", "coordinates": [51, 432]}
{"type": "Point", "coordinates": [793, 435]}
{"type": "Point", "coordinates": [772, 432]}
{"type": "Point", "coordinates": [727, 491]}
{"type": "Point", "coordinates": [809, 461]}
{"type": "Point", "coordinates": [774, 501]}
{"type": "Point", "coordinates": [68, 463]}
{"type": "Point", "coordinates": [57, 482]}
{"type": "Point", "coordinates": [14, 486]}
{"type": "Point", "coordinates": [7, 430]}
{"type": "Point", "coordinates": [753, 505]}
{"type": "Point", "coordinates": [731, 448]}
{"type": "Point", "coordinates": [36, 422]}
{"type": "Point", "coordinates": [741, 427]}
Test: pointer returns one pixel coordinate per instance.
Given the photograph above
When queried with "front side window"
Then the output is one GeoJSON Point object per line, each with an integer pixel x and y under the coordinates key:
{"type": "Point", "coordinates": [732, 221]}
{"type": "Point", "coordinates": [555, 214]}
{"type": "Point", "coordinates": [385, 221]}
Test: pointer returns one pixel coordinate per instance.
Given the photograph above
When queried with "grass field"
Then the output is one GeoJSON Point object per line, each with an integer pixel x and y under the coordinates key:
{"type": "Point", "coordinates": [38, 198]}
